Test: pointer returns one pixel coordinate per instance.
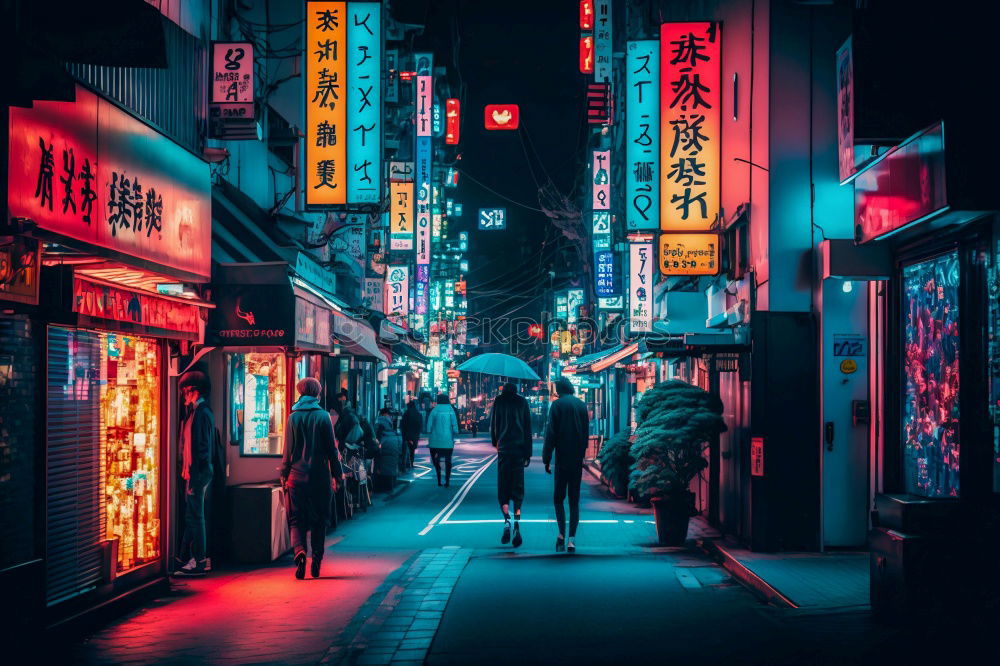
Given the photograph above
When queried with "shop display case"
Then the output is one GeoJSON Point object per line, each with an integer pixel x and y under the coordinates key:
{"type": "Point", "coordinates": [258, 389]}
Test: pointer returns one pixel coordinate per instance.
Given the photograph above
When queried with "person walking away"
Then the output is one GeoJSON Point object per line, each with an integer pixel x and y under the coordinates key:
{"type": "Point", "coordinates": [411, 426]}
{"type": "Point", "coordinates": [566, 435]}
{"type": "Point", "coordinates": [310, 473]}
{"type": "Point", "coordinates": [442, 429]}
{"type": "Point", "coordinates": [390, 448]}
{"type": "Point", "coordinates": [510, 430]}
{"type": "Point", "coordinates": [196, 443]}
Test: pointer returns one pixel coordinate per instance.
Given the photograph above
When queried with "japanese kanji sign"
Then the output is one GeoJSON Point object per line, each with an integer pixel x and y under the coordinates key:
{"type": "Point", "coordinates": [642, 124]}
{"type": "Point", "coordinates": [640, 287]}
{"type": "Point", "coordinates": [601, 172]}
{"type": "Point", "coordinates": [689, 254]}
{"type": "Point", "coordinates": [690, 123]}
{"type": "Point", "coordinates": [231, 88]}
{"type": "Point", "coordinates": [586, 54]}
{"type": "Point", "coordinates": [364, 102]}
{"type": "Point", "coordinates": [397, 291]}
{"type": "Point", "coordinates": [604, 273]}
{"type": "Point", "coordinates": [452, 121]}
{"type": "Point", "coordinates": [89, 172]}
{"type": "Point", "coordinates": [326, 102]}
{"type": "Point", "coordinates": [372, 293]}
{"type": "Point", "coordinates": [401, 216]}
{"type": "Point", "coordinates": [602, 41]}
{"type": "Point", "coordinates": [425, 102]}
{"type": "Point", "coordinates": [423, 199]}
{"type": "Point", "coordinates": [492, 219]}
{"type": "Point", "coordinates": [421, 290]}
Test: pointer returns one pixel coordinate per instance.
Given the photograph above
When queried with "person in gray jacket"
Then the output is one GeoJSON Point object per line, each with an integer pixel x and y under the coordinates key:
{"type": "Point", "coordinates": [442, 429]}
{"type": "Point", "coordinates": [566, 435]}
{"type": "Point", "coordinates": [310, 473]}
{"type": "Point", "coordinates": [510, 430]}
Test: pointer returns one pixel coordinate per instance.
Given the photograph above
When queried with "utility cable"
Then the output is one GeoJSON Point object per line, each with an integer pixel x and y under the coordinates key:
{"type": "Point", "coordinates": [502, 196]}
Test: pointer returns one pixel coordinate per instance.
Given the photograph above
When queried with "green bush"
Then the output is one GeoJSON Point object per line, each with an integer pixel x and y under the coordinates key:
{"type": "Point", "coordinates": [616, 461]}
{"type": "Point", "coordinates": [676, 421]}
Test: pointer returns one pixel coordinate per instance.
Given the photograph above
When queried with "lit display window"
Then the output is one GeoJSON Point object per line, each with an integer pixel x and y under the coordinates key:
{"type": "Point", "coordinates": [257, 411]}
{"type": "Point", "coordinates": [130, 445]}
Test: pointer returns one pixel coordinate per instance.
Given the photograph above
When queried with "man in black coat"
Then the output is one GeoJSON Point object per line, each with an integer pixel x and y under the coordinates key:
{"type": "Point", "coordinates": [412, 425]}
{"type": "Point", "coordinates": [197, 440]}
{"type": "Point", "coordinates": [566, 435]}
{"type": "Point", "coordinates": [510, 430]}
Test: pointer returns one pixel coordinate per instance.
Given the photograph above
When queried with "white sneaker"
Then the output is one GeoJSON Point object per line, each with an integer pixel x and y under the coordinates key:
{"type": "Point", "coordinates": [570, 546]}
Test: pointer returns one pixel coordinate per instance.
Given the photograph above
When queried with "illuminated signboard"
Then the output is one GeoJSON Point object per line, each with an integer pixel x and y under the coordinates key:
{"type": "Point", "coordinates": [689, 254]}
{"type": "Point", "coordinates": [424, 63]}
{"type": "Point", "coordinates": [640, 287]}
{"type": "Point", "coordinates": [574, 299]}
{"type": "Point", "coordinates": [845, 109]}
{"type": "Point", "coordinates": [602, 41]}
{"type": "Point", "coordinates": [326, 103]}
{"type": "Point", "coordinates": [601, 225]}
{"type": "Point", "coordinates": [90, 172]}
{"type": "Point", "coordinates": [562, 306]}
{"type": "Point", "coordinates": [372, 294]}
{"type": "Point", "coordinates": [392, 76]}
{"type": "Point", "coordinates": [601, 170]}
{"type": "Point", "coordinates": [642, 135]}
{"type": "Point", "coordinates": [586, 14]}
{"type": "Point", "coordinates": [401, 216]}
{"type": "Point", "coordinates": [452, 126]}
{"type": "Point", "coordinates": [364, 102]}
{"type": "Point", "coordinates": [492, 219]}
{"type": "Point", "coordinates": [689, 125]}
{"type": "Point", "coordinates": [437, 120]}
{"type": "Point", "coordinates": [397, 291]}
{"type": "Point", "coordinates": [501, 116]}
{"type": "Point", "coordinates": [400, 172]}
{"type": "Point", "coordinates": [586, 54]}
{"type": "Point", "coordinates": [604, 273]}
{"type": "Point", "coordinates": [231, 88]}
{"type": "Point", "coordinates": [423, 199]}
{"type": "Point", "coordinates": [425, 104]}
{"type": "Point", "coordinates": [421, 295]}
{"type": "Point", "coordinates": [125, 305]}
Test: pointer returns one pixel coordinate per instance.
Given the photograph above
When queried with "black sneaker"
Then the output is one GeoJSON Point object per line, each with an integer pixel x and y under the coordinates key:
{"type": "Point", "coordinates": [560, 544]}
{"type": "Point", "coordinates": [300, 566]}
{"type": "Point", "coordinates": [192, 569]}
{"type": "Point", "coordinates": [505, 539]}
{"type": "Point", "coordinates": [314, 569]}
{"type": "Point", "coordinates": [517, 535]}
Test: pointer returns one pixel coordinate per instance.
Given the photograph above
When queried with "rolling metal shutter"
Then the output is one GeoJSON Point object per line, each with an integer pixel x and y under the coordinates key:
{"type": "Point", "coordinates": [74, 516]}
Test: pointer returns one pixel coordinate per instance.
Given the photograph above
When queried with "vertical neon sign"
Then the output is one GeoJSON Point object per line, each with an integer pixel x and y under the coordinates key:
{"type": "Point", "coordinates": [364, 102]}
{"type": "Point", "coordinates": [642, 173]}
{"type": "Point", "coordinates": [326, 103]}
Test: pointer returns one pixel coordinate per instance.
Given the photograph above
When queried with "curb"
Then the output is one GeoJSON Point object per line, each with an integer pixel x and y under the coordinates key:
{"type": "Point", "coordinates": [744, 575]}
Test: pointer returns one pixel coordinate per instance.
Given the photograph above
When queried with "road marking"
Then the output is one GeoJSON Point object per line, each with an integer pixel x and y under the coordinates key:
{"type": "Point", "coordinates": [450, 507]}
{"type": "Point", "coordinates": [526, 520]}
{"type": "Point", "coordinates": [687, 580]}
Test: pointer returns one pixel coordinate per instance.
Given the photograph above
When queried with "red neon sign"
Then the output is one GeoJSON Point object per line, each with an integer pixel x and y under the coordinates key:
{"type": "Point", "coordinates": [586, 14]}
{"type": "Point", "coordinates": [587, 54]}
{"type": "Point", "coordinates": [451, 121]}
{"type": "Point", "coordinates": [502, 116]}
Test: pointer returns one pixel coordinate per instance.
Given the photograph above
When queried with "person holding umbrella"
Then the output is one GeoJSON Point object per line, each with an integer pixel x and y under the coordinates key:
{"type": "Point", "coordinates": [510, 430]}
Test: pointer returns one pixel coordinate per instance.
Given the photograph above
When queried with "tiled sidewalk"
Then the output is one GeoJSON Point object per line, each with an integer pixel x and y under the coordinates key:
{"type": "Point", "coordinates": [398, 623]}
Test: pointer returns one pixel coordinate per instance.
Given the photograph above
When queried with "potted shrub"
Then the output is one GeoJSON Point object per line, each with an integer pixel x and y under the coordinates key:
{"type": "Point", "coordinates": [676, 421]}
{"type": "Point", "coordinates": [616, 463]}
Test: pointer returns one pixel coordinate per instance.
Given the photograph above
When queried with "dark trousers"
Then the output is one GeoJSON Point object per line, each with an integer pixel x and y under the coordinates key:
{"type": "Point", "coordinates": [437, 455]}
{"type": "Point", "coordinates": [411, 444]}
{"type": "Point", "coordinates": [568, 483]}
{"type": "Point", "coordinates": [307, 509]}
{"type": "Point", "coordinates": [193, 540]}
{"type": "Point", "coordinates": [510, 481]}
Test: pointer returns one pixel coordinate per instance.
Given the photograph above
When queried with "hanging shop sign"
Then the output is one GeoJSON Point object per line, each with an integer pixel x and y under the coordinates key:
{"type": "Point", "coordinates": [326, 103]}
{"type": "Point", "coordinates": [401, 216]}
{"type": "Point", "coordinates": [400, 172]}
{"type": "Point", "coordinates": [601, 165]}
{"type": "Point", "coordinates": [423, 199]}
{"type": "Point", "coordinates": [252, 315]}
{"type": "Point", "coordinates": [602, 229]}
{"type": "Point", "coordinates": [611, 302]}
{"type": "Point", "coordinates": [423, 64]}
{"type": "Point", "coordinates": [501, 116]}
{"type": "Point", "coordinates": [364, 102]}
{"type": "Point", "coordinates": [757, 456]}
{"type": "Point", "coordinates": [437, 120]}
{"type": "Point", "coordinates": [89, 172]}
{"type": "Point", "coordinates": [425, 103]}
{"type": "Point", "coordinates": [574, 300]}
{"type": "Point", "coordinates": [599, 104]}
{"type": "Point", "coordinates": [690, 122]}
{"type": "Point", "coordinates": [642, 173]}
{"type": "Point", "coordinates": [604, 273]}
{"type": "Point", "coordinates": [348, 243]}
{"type": "Point", "coordinates": [392, 76]}
{"type": "Point", "coordinates": [421, 289]}
{"type": "Point", "coordinates": [640, 287]}
{"type": "Point", "coordinates": [586, 14]}
{"type": "Point", "coordinates": [372, 293]}
{"type": "Point", "coordinates": [602, 41]}
{"type": "Point", "coordinates": [492, 219]}
{"type": "Point", "coordinates": [586, 58]}
{"type": "Point", "coordinates": [452, 127]}
{"type": "Point", "coordinates": [19, 265]}
{"type": "Point", "coordinates": [689, 254]}
{"type": "Point", "coordinates": [562, 306]}
{"type": "Point", "coordinates": [904, 186]}
{"type": "Point", "coordinates": [231, 91]}
{"type": "Point", "coordinates": [397, 292]}
{"type": "Point", "coordinates": [845, 109]}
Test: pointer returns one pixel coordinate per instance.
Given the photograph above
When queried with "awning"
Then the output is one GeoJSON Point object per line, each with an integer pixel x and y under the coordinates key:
{"type": "Point", "coordinates": [601, 360]}
{"type": "Point", "coordinates": [403, 349]}
{"type": "Point", "coordinates": [356, 337]}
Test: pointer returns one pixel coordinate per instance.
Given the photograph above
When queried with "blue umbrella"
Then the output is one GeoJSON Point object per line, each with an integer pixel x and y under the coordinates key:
{"type": "Point", "coordinates": [503, 365]}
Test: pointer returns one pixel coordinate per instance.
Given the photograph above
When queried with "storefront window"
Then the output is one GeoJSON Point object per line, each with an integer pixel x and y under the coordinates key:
{"type": "Point", "coordinates": [130, 445]}
{"type": "Point", "coordinates": [930, 416]}
{"type": "Point", "coordinates": [257, 410]}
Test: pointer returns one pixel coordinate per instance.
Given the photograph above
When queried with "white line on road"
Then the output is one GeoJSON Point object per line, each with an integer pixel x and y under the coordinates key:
{"type": "Point", "coordinates": [528, 520]}
{"type": "Point", "coordinates": [450, 507]}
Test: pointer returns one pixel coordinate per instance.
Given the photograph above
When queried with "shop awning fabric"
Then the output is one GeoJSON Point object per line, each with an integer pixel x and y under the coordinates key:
{"type": "Point", "coordinates": [403, 349]}
{"type": "Point", "coordinates": [601, 360]}
{"type": "Point", "coordinates": [356, 337]}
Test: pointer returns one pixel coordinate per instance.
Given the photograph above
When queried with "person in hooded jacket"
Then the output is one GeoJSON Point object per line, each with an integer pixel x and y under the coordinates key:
{"type": "Point", "coordinates": [510, 430]}
{"type": "Point", "coordinates": [412, 424]}
{"type": "Point", "coordinates": [442, 429]}
{"type": "Point", "coordinates": [390, 449]}
{"type": "Point", "coordinates": [310, 473]}
{"type": "Point", "coordinates": [566, 435]}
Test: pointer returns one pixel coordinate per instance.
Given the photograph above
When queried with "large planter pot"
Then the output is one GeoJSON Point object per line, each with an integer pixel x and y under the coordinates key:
{"type": "Point", "coordinates": [672, 515]}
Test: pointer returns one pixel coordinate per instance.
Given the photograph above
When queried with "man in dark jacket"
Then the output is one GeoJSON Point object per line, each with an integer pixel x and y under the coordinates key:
{"type": "Point", "coordinates": [310, 473]}
{"type": "Point", "coordinates": [566, 435]}
{"type": "Point", "coordinates": [412, 425]}
{"type": "Point", "coordinates": [510, 430]}
{"type": "Point", "coordinates": [197, 439]}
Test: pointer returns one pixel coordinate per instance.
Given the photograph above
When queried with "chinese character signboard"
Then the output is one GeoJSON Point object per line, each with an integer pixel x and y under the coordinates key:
{"type": "Point", "coordinates": [689, 125]}
{"type": "Point", "coordinates": [423, 199]}
{"type": "Point", "coordinates": [602, 41]}
{"type": "Point", "coordinates": [602, 179]}
{"type": "Point", "coordinates": [425, 93]}
{"type": "Point", "coordinates": [364, 102]}
{"type": "Point", "coordinates": [452, 122]}
{"type": "Point", "coordinates": [642, 172]}
{"type": "Point", "coordinates": [604, 273]}
{"type": "Point", "coordinates": [231, 91]}
{"type": "Point", "coordinates": [574, 299]}
{"type": "Point", "coordinates": [587, 54]}
{"type": "Point", "coordinates": [845, 109]}
{"type": "Point", "coordinates": [401, 216]}
{"type": "Point", "coordinates": [372, 294]}
{"type": "Point", "coordinates": [586, 14]}
{"type": "Point", "coordinates": [492, 219]}
{"type": "Point", "coordinates": [640, 287]}
{"type": "Point", "coordinates": [326, 103]}
{"type": "Point", "coordinates": [501, 116]}
{"type": "Point", "coordinates": [689, 254]}
{"type": "Point", "coordinates": [397, 292]}
{"type": "Point", "coordinates": [94, 174]}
